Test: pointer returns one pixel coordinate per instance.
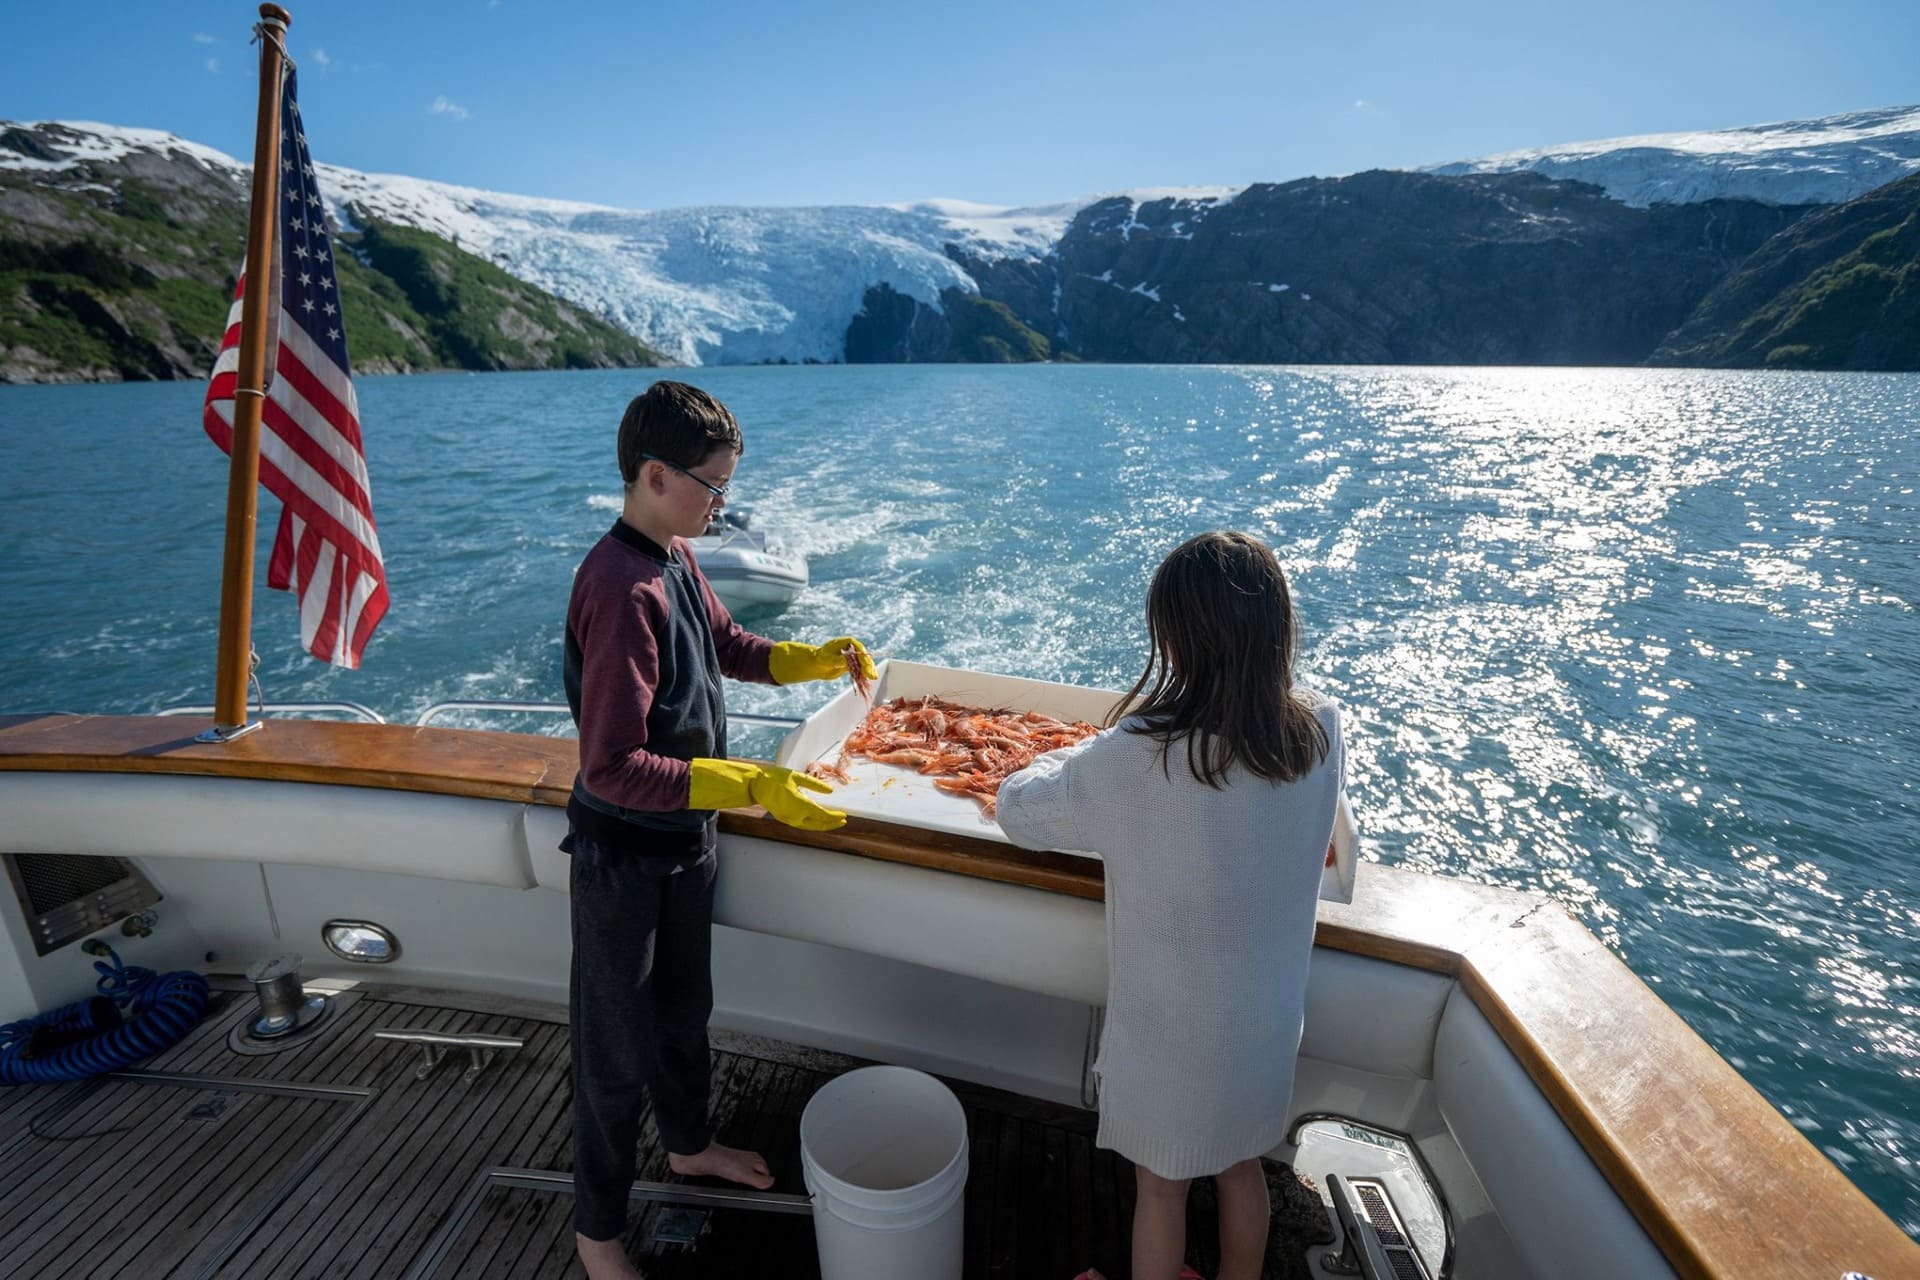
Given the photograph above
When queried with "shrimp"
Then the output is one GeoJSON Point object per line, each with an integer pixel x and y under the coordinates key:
{"type": "Point", "coordinates": [856, 667]}
{"type": "Point", "coordinates": [834, 772]}
{"type": "Point", "coordinates": [967, 751]}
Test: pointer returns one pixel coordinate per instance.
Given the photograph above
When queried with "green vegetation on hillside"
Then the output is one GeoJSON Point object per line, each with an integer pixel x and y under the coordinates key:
{"type": "Point", "coordinates": [1875, 289]}
{"type": "Point", "coordinates": [112, 287]}
{"type": "Point", "coordinates": [115, 277]}
{"type": "Point", "coordinates": [477, 316]}
{"type": "Point", "coordinates": [892, 327]}
{"type": "Point", "coordinates": [987, 332]}
{"type": "Point", "coordinates": [1840, 290]}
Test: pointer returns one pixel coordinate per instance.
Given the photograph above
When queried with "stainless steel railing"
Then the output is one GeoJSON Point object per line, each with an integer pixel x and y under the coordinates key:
{"type": "Point", "coordinates": [750, 719]}
{"type": "Point", "coordinates": [436, 710]}
{"type": "Point", "coordinates": [357, 710]}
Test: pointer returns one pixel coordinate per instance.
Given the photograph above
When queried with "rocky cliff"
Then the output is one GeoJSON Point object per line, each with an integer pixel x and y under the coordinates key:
{"type": "Point", "coordinates": [1838, 290]}
{"type": "Point", "coordinates": [1395, 268]}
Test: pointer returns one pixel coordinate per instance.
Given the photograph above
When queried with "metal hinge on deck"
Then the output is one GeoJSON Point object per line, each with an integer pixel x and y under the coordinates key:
{"type": "Point", "coordinates": [434, 1046]}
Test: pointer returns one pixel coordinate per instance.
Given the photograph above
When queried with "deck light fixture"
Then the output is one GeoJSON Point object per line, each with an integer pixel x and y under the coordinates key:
{"type": "Point", "coordinates": [361, 941]}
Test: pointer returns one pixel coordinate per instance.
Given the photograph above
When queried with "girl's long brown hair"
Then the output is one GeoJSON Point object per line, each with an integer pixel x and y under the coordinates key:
{"type": "Point", "coordinates": [1220, 620]}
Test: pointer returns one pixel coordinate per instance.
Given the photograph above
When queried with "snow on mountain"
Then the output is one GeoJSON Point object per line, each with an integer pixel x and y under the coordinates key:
{"type": "Point", "coordinates": [719, 285]}
{"type": "Point", "coordinates": [729, 285]}
{"type": "Point", "coordinates": [702, 285]}
{"type": "Point", "coordinates": [81, 141]}
{"type": "Point", "coordinates": [992, 231]}
{"type": "Point", "coordinates": [741, 285]}
{"type": "Point", "coordinates": [1826, 161]}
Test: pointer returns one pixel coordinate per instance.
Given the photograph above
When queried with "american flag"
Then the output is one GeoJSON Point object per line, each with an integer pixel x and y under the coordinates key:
{"type": "Point", "coordinates": [326, 550]}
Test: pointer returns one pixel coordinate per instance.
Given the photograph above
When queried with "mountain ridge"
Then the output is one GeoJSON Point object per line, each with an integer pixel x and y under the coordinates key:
{"type": "Point", "coordinates": [822, 284]}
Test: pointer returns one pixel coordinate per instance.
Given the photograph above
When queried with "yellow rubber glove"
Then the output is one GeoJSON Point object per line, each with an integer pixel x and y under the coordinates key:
{"type": "Point", "coordinates": [792, 661]}
{"type": "Point", "coordinates": [731, 784]}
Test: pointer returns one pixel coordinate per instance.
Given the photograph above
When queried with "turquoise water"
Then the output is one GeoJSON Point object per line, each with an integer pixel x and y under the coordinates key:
{"type": "Point", "coordinates": [1643, 640]}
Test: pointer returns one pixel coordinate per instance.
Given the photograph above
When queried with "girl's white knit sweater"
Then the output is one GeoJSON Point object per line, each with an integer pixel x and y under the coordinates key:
{"type": "Point", "coordinates": [1210, 911]}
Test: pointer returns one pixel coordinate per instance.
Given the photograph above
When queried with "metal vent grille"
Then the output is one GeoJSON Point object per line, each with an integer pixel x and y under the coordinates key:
{"type": "Point", "coordinates": [66, 896]}
{"type": "Point", "coordinates": [54, 879]}
{"type": "Point", "coordinates": [1378, 1206]}
{"type": "Point", "coordinates": [1380, 1214]}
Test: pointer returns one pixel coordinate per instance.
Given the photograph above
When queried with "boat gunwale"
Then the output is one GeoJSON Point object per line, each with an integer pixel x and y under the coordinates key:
{"type": "Point", "coordinates": [1707, 1166]}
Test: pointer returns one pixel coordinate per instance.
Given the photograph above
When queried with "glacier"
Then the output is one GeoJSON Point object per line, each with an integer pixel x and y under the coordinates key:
{"type": "Point", "coordinates": [725, 285]}
{"type": "Point", "coordinates": [714, 285]}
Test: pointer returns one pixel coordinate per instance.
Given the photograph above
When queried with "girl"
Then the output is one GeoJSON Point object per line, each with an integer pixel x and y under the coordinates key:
{"type": "Point", "coordinates": [1212, 802]}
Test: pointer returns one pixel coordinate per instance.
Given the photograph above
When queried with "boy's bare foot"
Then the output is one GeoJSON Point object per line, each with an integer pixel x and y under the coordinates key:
{"type": "Point", "coordinates": [605, 1259]}
{"type": "Point", "coordinates": [744, 1167]}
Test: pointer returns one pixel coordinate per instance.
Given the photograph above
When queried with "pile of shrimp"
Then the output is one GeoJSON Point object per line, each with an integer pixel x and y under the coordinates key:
{"type": "Point", "coordinates": [967, 751]}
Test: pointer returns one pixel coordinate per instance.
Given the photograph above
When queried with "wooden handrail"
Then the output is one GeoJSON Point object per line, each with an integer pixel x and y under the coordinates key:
{"type": "Point", "coordinates": [1723, 1183]}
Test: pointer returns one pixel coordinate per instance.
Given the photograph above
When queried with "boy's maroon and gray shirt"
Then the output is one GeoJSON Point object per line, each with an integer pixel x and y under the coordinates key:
{"type": "Point", "coordinates": [647, 644]}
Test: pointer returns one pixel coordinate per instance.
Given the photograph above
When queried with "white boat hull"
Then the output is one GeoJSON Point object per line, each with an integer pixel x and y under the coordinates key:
{"type": "Point", "coordinates": [983, 981]}
{"type": "Point", "coordinates": [746, 568]}
{"type": "Point", "coordinates": [1574, 1125]}
{"type": "Point", "coordinates": [743, 587]}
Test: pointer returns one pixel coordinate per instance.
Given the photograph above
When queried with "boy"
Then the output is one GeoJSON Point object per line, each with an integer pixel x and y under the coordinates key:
{"type": "Point", "coordinates": [646, 645]}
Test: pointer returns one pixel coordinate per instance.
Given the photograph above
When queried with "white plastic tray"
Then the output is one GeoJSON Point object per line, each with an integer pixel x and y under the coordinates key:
{"type": "Point", "coordinates": [894, 793]}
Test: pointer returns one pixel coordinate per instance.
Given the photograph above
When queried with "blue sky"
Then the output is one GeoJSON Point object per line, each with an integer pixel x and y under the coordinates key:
{"type": "Point", "coordinates": [649, 105]}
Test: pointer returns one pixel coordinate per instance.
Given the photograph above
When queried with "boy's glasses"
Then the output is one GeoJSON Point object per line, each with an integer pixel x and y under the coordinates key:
{"type": "Point", "coordinates": [717, 490]}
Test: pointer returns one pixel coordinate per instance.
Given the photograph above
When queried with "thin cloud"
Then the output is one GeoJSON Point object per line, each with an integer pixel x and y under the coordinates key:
{"type": "Point", "coordinates": [321, 59]}
{"type": "Point", "coordinates": [444, 106]}
{"type": "Point", "coordinates": [1361, 104]}
{"type": "Point", "coordinates": [213, 66]}
{"type": "Point", "coordinates": [201, 37]}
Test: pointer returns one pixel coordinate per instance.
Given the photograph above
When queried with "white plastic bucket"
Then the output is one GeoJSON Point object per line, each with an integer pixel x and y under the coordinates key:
{"type": "Point", "coordinates": [884, 1151]}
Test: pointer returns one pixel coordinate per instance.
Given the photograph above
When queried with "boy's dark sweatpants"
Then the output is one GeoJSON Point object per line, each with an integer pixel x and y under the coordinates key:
{"type": "Point", "coordinates": [640, 996]}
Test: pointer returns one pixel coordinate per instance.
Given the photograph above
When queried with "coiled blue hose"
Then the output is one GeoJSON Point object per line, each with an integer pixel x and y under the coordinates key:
{"type": "Point", "coordinates": [159, 1009]}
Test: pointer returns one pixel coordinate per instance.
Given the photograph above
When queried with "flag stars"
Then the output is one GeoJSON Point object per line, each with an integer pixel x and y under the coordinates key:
{"type": "Point", "coordinates": [330, 630]}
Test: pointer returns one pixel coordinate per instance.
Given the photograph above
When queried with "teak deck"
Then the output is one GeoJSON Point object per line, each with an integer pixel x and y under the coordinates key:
{"type": "Point", "coordinates": [1712, 1172]}
{"type": "Point", "coordinates": [159, 1174]}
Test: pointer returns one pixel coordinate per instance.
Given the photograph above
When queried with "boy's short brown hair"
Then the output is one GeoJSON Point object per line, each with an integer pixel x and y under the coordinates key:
{"type": "Point", "coordinates": [673, 421]}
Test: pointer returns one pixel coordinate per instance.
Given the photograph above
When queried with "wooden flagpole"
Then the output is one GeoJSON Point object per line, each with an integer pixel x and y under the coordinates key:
{"type": "Point", "coordinates": [243, 473]}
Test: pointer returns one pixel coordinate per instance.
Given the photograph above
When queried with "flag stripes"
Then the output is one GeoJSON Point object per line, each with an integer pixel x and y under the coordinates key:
{"type": "Point", "coordinates": [326, 549]}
